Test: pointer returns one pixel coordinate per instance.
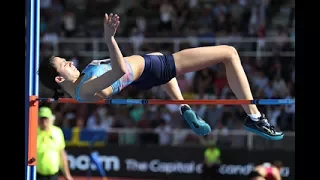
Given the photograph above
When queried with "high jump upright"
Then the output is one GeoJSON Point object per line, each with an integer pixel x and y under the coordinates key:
{"type": "Point", "coordinates": [31, 86]}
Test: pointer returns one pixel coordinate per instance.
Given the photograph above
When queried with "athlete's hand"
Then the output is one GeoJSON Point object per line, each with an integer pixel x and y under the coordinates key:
{"type": "Point", "coordinates": [111, 24]}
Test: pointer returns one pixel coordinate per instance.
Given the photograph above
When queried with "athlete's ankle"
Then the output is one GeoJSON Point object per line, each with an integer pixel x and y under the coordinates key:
{"type": "Point", "coordinates": [255, 116]}
{"type": "Point", "coordinates": [181, 106]}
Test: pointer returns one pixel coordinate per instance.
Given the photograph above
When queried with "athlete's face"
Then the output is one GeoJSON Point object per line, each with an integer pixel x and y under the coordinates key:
{"type": "Point", "coordinates": [66, 70]}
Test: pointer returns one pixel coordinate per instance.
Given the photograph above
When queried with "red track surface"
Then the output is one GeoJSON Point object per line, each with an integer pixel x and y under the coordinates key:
{"type": "Point", "coordinates": [98, 178]}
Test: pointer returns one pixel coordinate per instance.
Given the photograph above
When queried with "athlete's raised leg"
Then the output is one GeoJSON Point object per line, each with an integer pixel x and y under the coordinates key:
{"type": "Point", "coordinates": [172, 88]}
{"type": "Point", "coordinates": [195, 59]}
{"type": "Point", "coordinates": [199, 58]}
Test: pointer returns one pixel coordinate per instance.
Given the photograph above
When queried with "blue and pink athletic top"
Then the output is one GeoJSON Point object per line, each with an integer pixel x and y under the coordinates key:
{"type": "Point", "coordinates": [99, 67]}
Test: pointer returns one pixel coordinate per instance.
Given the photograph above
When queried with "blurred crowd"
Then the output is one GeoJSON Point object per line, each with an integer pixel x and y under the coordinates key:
{"type": "Point", "coordinates": [269, 76]}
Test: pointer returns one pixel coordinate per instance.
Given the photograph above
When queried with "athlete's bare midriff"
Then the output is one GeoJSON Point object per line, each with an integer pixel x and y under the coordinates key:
{"type": "Point", "coordinates": [137, 64]}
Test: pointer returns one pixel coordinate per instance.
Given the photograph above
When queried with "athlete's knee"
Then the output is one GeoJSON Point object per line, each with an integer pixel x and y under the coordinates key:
{"type": "Point", "coordinates": [233, 50]}
{"type": "Point", "coordinates": [231, 54]}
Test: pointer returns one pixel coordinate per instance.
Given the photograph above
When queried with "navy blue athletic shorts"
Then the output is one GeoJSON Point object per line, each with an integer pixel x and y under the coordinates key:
{"type": "Point", "coordinates": [158, 70]}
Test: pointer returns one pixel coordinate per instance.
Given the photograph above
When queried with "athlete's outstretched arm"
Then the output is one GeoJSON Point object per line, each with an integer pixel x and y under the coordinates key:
{"type": "Point", "coordinates": [110, 27]}
{"type": "Point", "coordinates": [111, 24]}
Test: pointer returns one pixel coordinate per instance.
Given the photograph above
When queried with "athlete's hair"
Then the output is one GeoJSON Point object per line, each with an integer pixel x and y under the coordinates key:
{"type": "Point", "coordinates": [47, 74]}
{"type": "Point", "coordinates": [254, 174]}
{"type": "Point", "coordinates": [278, 164]}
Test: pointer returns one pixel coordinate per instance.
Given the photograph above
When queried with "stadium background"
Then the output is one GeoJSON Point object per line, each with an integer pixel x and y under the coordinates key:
{"type": "Point", "coordinates": [261, 30]}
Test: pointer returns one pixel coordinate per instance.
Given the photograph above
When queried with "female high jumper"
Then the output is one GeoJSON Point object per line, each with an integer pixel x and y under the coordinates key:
{"type": "Point", "coordinates": [103, 78]}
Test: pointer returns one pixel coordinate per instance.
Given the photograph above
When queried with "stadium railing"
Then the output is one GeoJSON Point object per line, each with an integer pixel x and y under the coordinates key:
{"type": "Point", "coordinates": [95, 48]}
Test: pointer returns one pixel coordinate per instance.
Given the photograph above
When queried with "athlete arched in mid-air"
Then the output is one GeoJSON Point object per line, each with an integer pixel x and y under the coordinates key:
{"type": "Point", "coordinates": [103, 78]}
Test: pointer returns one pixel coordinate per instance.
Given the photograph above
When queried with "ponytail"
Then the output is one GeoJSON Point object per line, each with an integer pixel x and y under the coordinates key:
{"type": "Point", "coordinates": [57, 94]}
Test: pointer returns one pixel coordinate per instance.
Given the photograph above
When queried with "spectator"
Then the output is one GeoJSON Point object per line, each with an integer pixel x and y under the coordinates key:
{"type": "Point", "coordinates": [267, 171]}
{"type": "Point", "coordinates": [69, 24]}
{"type": "Point", "coordinates": [164, 133]}
{"type": "Point", "coordinates": [100, 120]}
{"type": "Point", "coordinates": [280, 86]}
{"type": "Point", "coordinates": [211, 162]}
{"type": "Point", "coordinates": [50, 148]}
{"type": "Point", "coordinates": [167, 16]}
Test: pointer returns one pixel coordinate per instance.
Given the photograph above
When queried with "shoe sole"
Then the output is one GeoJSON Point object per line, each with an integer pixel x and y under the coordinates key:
{"type": "Point", "coordinates": [201, 129]}
{"type": "Point", "coordinates": [263, 134]}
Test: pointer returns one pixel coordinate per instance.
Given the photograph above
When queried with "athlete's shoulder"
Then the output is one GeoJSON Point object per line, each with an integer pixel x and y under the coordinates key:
{"type": "Point", "coordinates": [102, 61]}
{"type": "Point", "coordinates": [97, 65]}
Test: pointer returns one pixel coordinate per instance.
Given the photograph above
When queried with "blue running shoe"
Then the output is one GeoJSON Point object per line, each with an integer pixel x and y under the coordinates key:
{"type": "Point", "coordinates": [199, 126]}
{"type": "Point", "coordinates": [262, 128]}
